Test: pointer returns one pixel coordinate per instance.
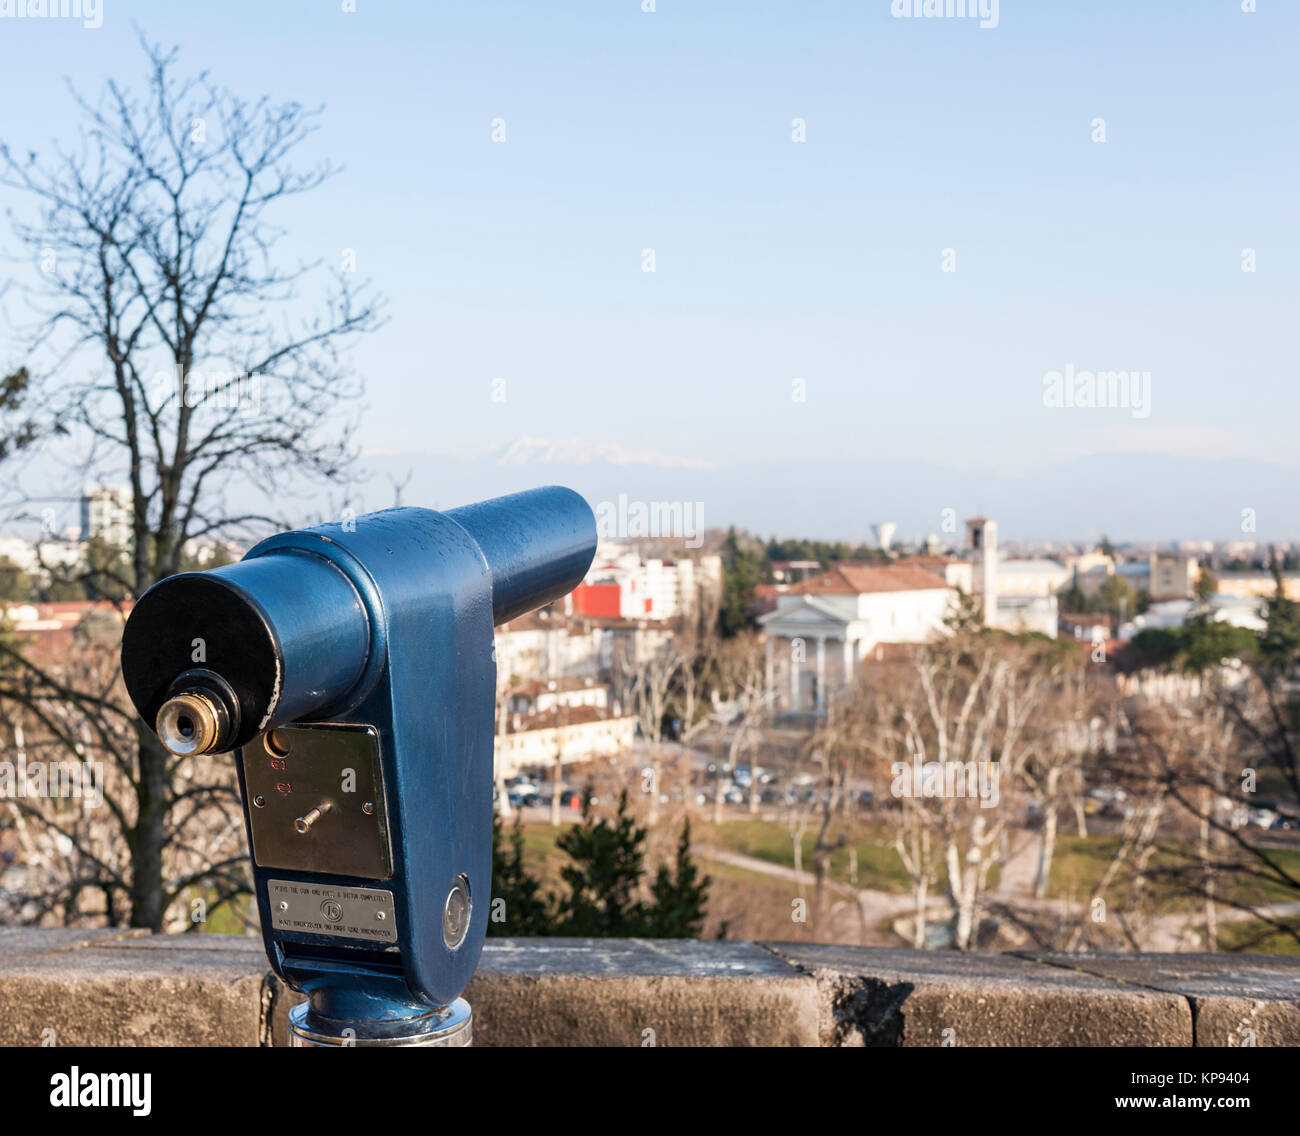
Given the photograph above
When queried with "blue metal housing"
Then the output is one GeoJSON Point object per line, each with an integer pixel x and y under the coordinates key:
{"type": "Point", "coordinates": [387, 621]}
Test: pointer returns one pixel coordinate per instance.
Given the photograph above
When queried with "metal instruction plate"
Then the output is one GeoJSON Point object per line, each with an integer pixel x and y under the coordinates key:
{"type": "Point", "coordinates": [325, 909]}
{"type": "Point", "coordinates": [316, 801]}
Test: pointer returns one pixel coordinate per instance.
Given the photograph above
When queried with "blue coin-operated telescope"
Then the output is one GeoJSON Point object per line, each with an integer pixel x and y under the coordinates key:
{"type": "Point", "coordinates": [351, 667]}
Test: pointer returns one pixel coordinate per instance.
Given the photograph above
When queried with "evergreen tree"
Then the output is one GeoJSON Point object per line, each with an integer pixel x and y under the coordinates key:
{"type": "Point", "coordinates": [965, 616]}
{"type": "Point", "coordinates": [1279, 644]}
{"type": "Point", "coordinates": [1155, 647]}
{"type": "Point", "coordinates": [1073, 600]}
{"type": "Point", "coordinates": [1208, 642]}
{"type": "Point", "coordinates": [1206, 585]}
{"type": "Point", "coordinates": [604, 877]}
{"type": "Point", "coordinates": [1117, 597]}
{"type": "Point", "coordinates": [679, 899]}
{"type": "Point", "coordinates": [607, 863]}
{"type": "Point", "coordinates": [743, 568]}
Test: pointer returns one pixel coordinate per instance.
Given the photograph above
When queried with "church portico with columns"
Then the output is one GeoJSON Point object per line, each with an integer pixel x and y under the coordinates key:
{"type": "Point", "coordinates": [823, 629]}
{"type": "Point", "coordinates": [808, 646]}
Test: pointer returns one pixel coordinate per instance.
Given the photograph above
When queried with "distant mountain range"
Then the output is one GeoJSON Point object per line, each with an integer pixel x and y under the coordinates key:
{"type": "Point", "coordinates": [1127, 496]}
{"type": "Point", "coordinates": [576, 451]}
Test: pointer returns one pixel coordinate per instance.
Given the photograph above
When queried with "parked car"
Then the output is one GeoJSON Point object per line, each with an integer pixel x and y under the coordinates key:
{"type": "Point", "coordinates": [1263, 818]}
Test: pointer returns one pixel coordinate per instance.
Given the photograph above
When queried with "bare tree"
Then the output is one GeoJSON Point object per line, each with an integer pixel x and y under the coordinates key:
{"type": "Point", "coordinates": [832, 744]}
{"type": "Point", "coordinates": [969, 701]}
{"type": "Point", "coordinates": [696, 679]}
{"type": "Point", "coordinates": [1195, 758]}
{"type": "Point", "coordinates": [647, 685]}
{"type": "Point", "coordinates": [1070, 729]}
{"type": "Point", "coordinates": [1131, 862]}
{"type": "Point", "coordinates": [742, 686]}
{"type": "Point", "coordinates": [912, 841]}
{"type": "Point", "coordinates": [1223, 716]}
{"type": "Point", "coordinates": [69, 725]}
{"type": "Point", "coordinates": [167, 337]}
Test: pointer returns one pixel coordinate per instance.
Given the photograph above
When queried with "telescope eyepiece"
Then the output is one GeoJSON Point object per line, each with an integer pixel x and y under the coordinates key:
{"type": "Point", "coordinates": [193, 722]}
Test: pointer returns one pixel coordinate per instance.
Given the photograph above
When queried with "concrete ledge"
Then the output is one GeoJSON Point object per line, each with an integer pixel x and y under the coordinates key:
{"type": "Point", "coordinates": [884, 997]}
{"type": "Point", "coordinates": [107, 989]}
{"type": "Point", "coordinates": [639, 992]}
{"type": "Point", "coordinates": [630, 992]}
{"type": "Point", "coordinates": [75, 987]}
{"type": "Point", "coordinates": [1236, 1000]}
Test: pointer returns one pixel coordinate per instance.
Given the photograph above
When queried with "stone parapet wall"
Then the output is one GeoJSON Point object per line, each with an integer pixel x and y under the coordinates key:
{"type": "Point", "coordinates": [112, 988]}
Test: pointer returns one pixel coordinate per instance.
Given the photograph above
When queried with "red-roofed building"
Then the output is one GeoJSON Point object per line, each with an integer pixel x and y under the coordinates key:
{"type": "Point", "coordinates": [49, 630]}
{"type": "Point", "coordinates": [956, 571]}
{"type": "Point", "coordinates": [852, 579]}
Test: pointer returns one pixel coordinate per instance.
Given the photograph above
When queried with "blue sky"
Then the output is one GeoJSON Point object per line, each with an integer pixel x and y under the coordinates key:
{"type": "Point", "coordinates": [777, 260]}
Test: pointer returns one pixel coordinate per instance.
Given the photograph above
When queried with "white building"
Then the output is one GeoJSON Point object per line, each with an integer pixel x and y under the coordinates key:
{"type": "Point", "coordinates": [539, 696]}
{"type": "Point", "coordinates": [548, 644]}
{"type": "Point", "coordinates": [822, 629]}
{"type": "Point", "coordinates": [579, 733]}
{"type": "Point", "coordinates": [1031, 577]}
{"type": "Point", "coordinates": [1162, 576]}
{"type": "Point", "coordinates": [39, 557]}
{"type": "Point", "coordinates": [1240, 611]}
{"type": "Point", "coordinates": [1027, 595]}
{"type": "Point", "coordinates": [1258, 585]}
{"type": "Point", "coordinates": [1173, 577]}
{"type": "Point", "coordinates": [1089, 571]}
{"type": "Point", "coordinates": [619, 583]}
{"type": "Point", "coordinates": [106, 514]}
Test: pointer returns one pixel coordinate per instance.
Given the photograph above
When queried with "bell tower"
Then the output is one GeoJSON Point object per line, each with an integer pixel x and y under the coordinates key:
{"type": "Point", "coordinates": [982, 541]}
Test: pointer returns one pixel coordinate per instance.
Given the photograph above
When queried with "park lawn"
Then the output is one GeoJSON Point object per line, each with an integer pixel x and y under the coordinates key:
{"type": "Point", "coordinates": [878, 864]}
{"type": "Point", "coordinates": [1079, 863]}
{"type": "Point", "coordinates": [542, 858]}
{"type": "Point", "coordinates": [223, 920]}
{"type": "Point", "coordinates": [744, 904]}
{"type": "Point", "coordinates": [1259, 937]}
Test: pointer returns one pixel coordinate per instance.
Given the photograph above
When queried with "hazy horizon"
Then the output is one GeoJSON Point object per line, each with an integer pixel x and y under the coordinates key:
{"type": "Point", "coordinates": [800, 310]}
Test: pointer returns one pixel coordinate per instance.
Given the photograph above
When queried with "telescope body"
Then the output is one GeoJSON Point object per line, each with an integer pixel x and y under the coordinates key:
{"type": "Point", "coordinates": [352, 668]}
